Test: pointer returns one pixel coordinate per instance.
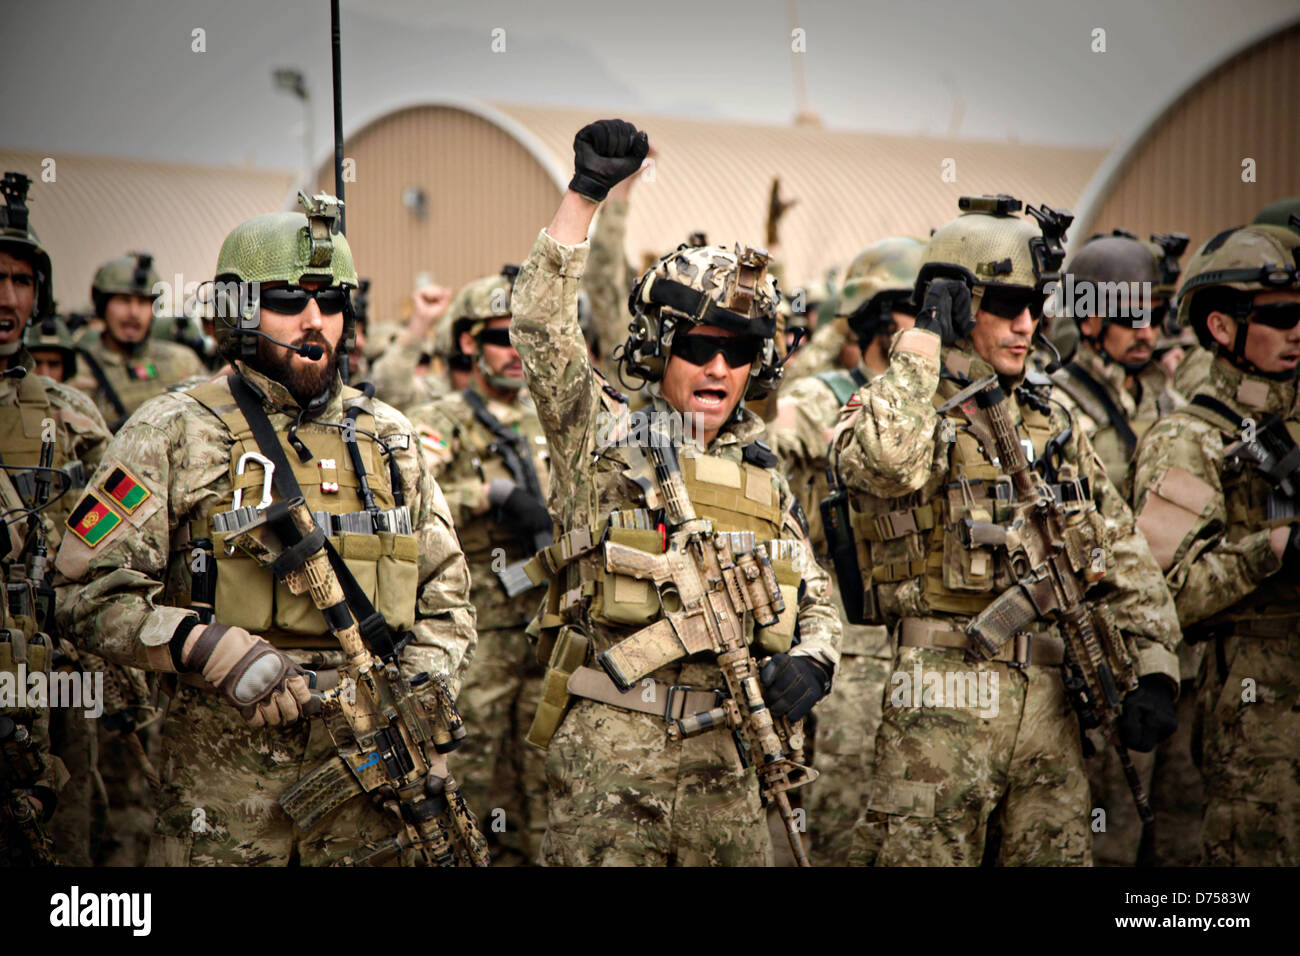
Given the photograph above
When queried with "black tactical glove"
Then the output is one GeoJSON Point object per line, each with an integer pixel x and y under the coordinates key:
{"type": "Point", "coordinates": [1149, 715]}
{"type": "Point", "coordinates": [946, 310]}
{"type": "Point", "coordinates": [605, 153]}
{"type": "Point", "coordinates": [517, 509]}
{"type": "Point", "coordinates": [791, 685]}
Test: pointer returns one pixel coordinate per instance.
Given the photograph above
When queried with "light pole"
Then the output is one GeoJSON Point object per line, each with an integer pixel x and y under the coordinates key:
{"type": "Point", "coordinates": [293, 81]}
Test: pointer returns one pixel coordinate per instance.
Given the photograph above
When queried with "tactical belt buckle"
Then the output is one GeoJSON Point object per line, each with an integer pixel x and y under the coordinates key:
{"type": "Point", "coordinates": [718, 698]}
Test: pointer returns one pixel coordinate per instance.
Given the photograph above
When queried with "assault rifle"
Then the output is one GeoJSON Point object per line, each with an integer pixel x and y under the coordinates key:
{"type": "Point", "coordinates": [706, 593]}
{"type": "Point", "coordinates": [1053, 554]}
{"type": "Point", "coordinates": [1274, 452]}
{"type": "Point", "coordinates": [22, 838]}
{"type": "Point", "coordinates": [386, 741]}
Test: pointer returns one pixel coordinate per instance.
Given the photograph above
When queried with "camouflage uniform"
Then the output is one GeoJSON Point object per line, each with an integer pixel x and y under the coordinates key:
{"type": "Point", "coordinates": [397, 380]}
{"type": "Point", "coordinates": [127, 589]}
{"type": "Point", "coordinates": [152, 367]}
{"type": "Point", "coordinates": [621, 792]}
{"type": "Point", "coordinates": [1193, 371]}
{"type": "Point", "coordinates": [606, 279]}
{"type": "Point", "coordinates": [500, 689]}
{"type": "Point", "coordinates": [946, 774]}
{"type": "Point", "coordinates": [1206, 517]}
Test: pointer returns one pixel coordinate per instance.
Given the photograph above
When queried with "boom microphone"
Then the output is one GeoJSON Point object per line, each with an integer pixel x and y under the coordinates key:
{"type": "Point", "coordinates": [309, 352]}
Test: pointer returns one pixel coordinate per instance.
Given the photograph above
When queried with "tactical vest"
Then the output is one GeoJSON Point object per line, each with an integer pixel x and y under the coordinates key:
{"type": "Point", "coordinates": [740, 498]}
{"type": "Point", "coordinates": [478, 538]}
{"type": "Point", "coordinates": [20, 644]}
{"type": "Point", "coordinates": [1245, 497]}
{"type": "Point", "coordinates": [385, 563]}
{"type": "Point", "coordinates": [20, 440]}
{"type": "Point", "coordinates": [910, 548]}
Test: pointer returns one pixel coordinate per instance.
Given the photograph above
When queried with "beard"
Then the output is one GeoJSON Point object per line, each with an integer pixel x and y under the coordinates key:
{"type": "Point", "coordinates": [303, 383]}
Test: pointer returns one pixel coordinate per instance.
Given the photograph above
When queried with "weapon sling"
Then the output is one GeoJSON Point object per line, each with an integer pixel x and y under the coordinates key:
{"type": "Point", "coordinates": [1117, 419]}
{"type": "Point", "coordinates": [106, 387]}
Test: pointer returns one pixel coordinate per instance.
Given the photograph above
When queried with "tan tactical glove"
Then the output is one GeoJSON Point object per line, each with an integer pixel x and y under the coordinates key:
{"type": "Point", "coordinates": [265, 685]}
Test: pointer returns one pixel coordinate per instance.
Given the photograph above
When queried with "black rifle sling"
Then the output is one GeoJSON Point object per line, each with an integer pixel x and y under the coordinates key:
{"type": "Point", "coordinates": [1210, 403]}
{"type": "Point", "coordinates": [510, 443]}
{"type": "Point", "coordinates": [374, 628]}
{"type": "Point", "coordinates": [105, 386]}
{"type": "Point", "coordinates": [1117, 419]}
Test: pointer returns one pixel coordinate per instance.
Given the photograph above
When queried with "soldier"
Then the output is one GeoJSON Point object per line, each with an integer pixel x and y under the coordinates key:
{"type": "Point", "coordinates": [38, 417]}
{"type": "Point", "coordinates": [1115, 391]}
{"type": "Point", "coordinates": [1225, 532]}
{"type": "Point", "coordinates": [50, 345]}
{"type": "Point", "coordinates": [875, 302]}
{"type": "Point", "coordinates": [489, 457]}
{"type": "Point", "coordinates": [623, 791]}
{"type": "Point", "coordinates": [128, 365]}
{"type": "Point", "coordinates": [402, 375]}
{"type": "Point", "coordinates": [150, 535]}
{"type": "Point", "coordinates": [921, 470]}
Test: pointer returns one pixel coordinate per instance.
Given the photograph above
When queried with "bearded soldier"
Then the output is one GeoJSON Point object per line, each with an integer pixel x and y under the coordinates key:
{"type": "Point", "coordinates": [875, 302]}
{"type": "Point", "coordinates": [1215, 493]}
{"type": "Point", "coordinates": [489, 457]}
{"type": "Point", "coordinates": [125, 364]}
{"type": "Point", "coordinates": [41, 417]}
{"type": "Point", "coordinates": [622, 790]}
{"type": "Point", "coordinates": [183, 490]}
{"type": "Point", "coordinates": [927, 508]}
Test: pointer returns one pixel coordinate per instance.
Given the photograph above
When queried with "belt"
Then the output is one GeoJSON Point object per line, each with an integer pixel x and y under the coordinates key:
{"type": "Point", "coordinates": [669, 701]}
{"type": "Point", "coordinates": [1046, 650]}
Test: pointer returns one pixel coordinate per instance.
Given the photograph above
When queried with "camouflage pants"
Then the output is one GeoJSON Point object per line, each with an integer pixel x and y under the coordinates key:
{"type": "Point", "coordinates": [74, 738]}
{"type": "Point", "coordinates": [129, 816]}
{"type": "Point", "coordinates": [502, 778]}
{"type": "Point", "coordinates": [1177, 798]}
{"type": "Point", "coordinates": [623, 794]}
{"type": "Point", "coordinates": [847, 721]}
{"type": "Point", "coordinates": [221, 785]}
{"type": "Point", "coordinates": [1251, 718]}
{"type": "Point", "coordinates": [944, 774]}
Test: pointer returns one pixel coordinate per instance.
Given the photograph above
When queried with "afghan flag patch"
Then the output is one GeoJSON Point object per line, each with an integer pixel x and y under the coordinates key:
{"type": "Point", "coordinates": [92, 519]}
{"type": "Point", "coordinates": [123, 488]}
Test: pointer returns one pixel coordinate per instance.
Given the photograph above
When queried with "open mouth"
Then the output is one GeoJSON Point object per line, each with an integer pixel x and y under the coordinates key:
{"type": "Point", "coordinates": [7, 325]}
{"type": "Point", "coordinates": [710, 397]}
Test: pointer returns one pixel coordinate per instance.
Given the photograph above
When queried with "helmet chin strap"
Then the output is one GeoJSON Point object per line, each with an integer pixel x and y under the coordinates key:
{"type": "Point", "coordinates": [1238, 354]}
{"type": "Point", "coordinates": [503, 382]}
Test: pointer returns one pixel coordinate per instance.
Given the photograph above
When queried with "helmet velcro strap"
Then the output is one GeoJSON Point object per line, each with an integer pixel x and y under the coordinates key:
{"type": "Point", "coordinates": [702, 310]}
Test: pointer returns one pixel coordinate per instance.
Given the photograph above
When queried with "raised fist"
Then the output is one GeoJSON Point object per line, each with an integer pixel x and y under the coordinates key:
{"type": "Point", "coordinates": [604, 154]}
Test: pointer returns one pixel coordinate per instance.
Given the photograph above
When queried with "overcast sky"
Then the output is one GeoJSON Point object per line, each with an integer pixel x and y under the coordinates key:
{"type": "Point", "coordinates": [122, 77]}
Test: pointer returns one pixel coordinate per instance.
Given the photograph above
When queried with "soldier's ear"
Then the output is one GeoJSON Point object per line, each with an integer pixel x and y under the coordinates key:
{"type": "Point", "coordinates": [1223, 328]}
{"type": "Point", "coordinates": [468, 344]}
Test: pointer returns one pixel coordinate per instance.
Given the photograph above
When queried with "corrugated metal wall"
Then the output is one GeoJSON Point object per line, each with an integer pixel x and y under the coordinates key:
{"type": "Point", "coordinates": [98, 208]}
{"type": "Point", "coordinates": [489, 195]}
{"type": "Point", "coordinates": [486, 200]}
{"type": "Point", "coordinates": [1185, 173]}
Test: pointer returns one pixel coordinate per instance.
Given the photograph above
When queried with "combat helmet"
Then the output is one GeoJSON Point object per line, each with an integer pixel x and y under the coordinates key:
{"type": "Point", "coordinates": [1103, 272]}
{"type": "Point", "coordinates": [131, 274]}
{"type": "Point", "coordinates": [1224, 276]}
{"type": "Point", "coordinates": [989, 247]}
{"type": "Point", "coordinates": [280, 247]}
{"type": "Point", "coordinates": [18, 238]}
{"type": "Point", "coordinates": [703, 285]}
{"type": "Point", "coordinates": [483, 299]}
{"type": "Point", "coordinates": [879, 282]}
{"type": "Point", "coordinates": [1284, 213]}
{"type": "Point", "coordinates": [51, 332]}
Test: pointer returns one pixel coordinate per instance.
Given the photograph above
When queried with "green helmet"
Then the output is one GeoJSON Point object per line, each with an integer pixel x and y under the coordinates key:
{"type": "Point", "coordinates": [51, 332]}
{"type": "Point", "coordinates": [704, 285]}
{"type": "Point", "coordinates": [18, 238]}
{"type": "Point", "coordinates": [280, 247]}
{"type": "Point", "coordinates": [879, 282]}
{"type": "Point", "coordinates": [483, 299]}
{"type": "Point", "coordinates": [1284, 213]}
{"type": "Point", "coordinates": [1225, 274]}
{"type": "Point", "coordinates": [988, 246]}
{"type": "Point", "coordinates": [131, 274]}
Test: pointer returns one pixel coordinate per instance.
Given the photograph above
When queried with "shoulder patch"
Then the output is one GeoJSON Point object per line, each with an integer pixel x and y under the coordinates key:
{"type": "Point", "coordinates": [93, 519]}
{"type": "Point", "coordinates": [124, 488]}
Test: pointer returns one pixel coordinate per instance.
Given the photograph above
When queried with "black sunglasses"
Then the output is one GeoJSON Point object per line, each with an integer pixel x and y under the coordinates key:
{"type": "Point", "coordinates": [1009, 303]}
{"type": "Point", "coordinates": [292, 299]}
{"type": "Point", "coordinates": [494, 337]}
{"type": "Point", "coordinates": [1280, 315]}
{"type": "Point", "coordinates": [700, 349]}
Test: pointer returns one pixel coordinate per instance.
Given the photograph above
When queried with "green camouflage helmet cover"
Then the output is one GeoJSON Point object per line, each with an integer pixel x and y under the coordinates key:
{"type": "Point", "coordinates": [988, 246]}
{"type": "Point", "coordinates": [131, 274]}
{"type": "Point", "coordinates": [704, 285]}
{"type": "Point", "coordinates": [51, 332]}
{"type": "Point", "coordinates": [1245, 258]}
{"type": "Point", "coordinates": [484, 299]}
{"type": "Point", "coordinates": [887, 267]}
{"type": "Point", "coordinates": [283, 247]}
{"type": "Point", "coordinates": [18, 238]}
